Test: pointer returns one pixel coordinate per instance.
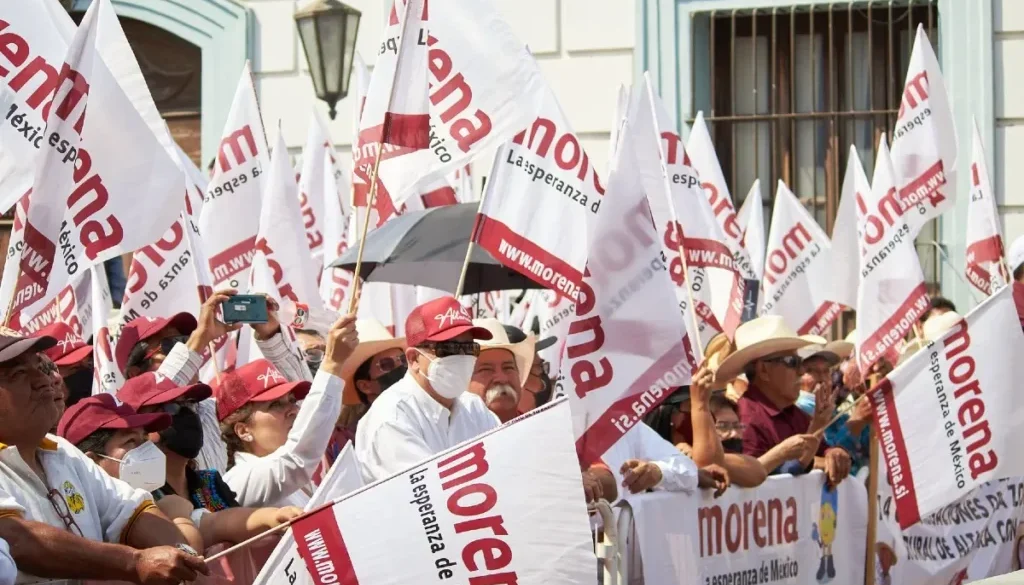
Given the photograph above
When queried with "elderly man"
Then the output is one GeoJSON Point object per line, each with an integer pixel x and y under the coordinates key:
{"type": "Point", "coordinates": [174, 348]}
{"type": "Point", "coordinates": [538, 387]}
{"type": "Point", "coordinates": [766, 351]}
{"type": "Point", "coordinates": [57, 508]}
{"type": "Point", "coordinates": [818, 392]}
{"type": "Point", "coordinates": [501, 370]}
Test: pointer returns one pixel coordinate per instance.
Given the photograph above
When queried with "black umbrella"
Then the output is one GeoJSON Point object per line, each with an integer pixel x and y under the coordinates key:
{"type": "Point", "coordinates": [428, 248]}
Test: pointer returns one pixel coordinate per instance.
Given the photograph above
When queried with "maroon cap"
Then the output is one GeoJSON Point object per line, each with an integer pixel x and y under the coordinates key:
{"type": "Point", "coordinates": [102, 411]}
{"type": "Point", "coordinates": [153, 389]}
{"type": "Point", "coordinates": [70, 348]}
{"type": "Point", "coordinates": [440, 320]}
{"type": "Point", "coordinates": [257, 381]}
{"type": "Point", "coordinates": [14, 343]}
{"type": "Point", "coordinates": [142, 328]}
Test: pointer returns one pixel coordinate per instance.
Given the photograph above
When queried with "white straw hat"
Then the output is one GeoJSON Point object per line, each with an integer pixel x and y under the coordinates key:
{"type": "Point", "coordinates": [758, 338]}
{"type": "Point", "coordinates": [523, 351]}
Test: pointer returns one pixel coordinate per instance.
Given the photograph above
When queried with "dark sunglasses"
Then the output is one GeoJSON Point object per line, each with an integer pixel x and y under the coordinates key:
{"type": "Point", "coordinates": [166, 345]}
{"type": "Point", "coordinates": [790, 361]}
{"type": "Point", "coordinates": [173, 408]}
{"type": "Point", "coordinates": [443, 349]}
{"type": "Point", "coordinates": [388, 364]}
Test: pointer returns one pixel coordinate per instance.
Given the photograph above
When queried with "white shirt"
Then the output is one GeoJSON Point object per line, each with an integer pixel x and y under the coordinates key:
{"type": "Point", "coordinates": [678, 472]}
{"type": "Point", "coordinates": [182, 365]}
{"type": "Point", "coordinates": [8, 571]}
{"type": "Point", "coordinates": [103, 508]}
{"type": "Point", "coordinates": [280, 478]}
{"type": "Point", "coordinates": [406, 426]}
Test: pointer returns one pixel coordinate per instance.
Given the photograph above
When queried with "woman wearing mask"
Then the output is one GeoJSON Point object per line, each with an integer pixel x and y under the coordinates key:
{"type": "Point", "coordinates": [275, 445]}
{"type": "Point", "coordinates": [116, 438]}
{"type": "Point", "coordinates": [73, 358]}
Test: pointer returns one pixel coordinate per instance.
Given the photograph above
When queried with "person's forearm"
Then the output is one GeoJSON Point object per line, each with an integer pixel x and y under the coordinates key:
{"type": "Point", "coordinates": [236, 524]}
{"type": "Point", "coordinates": [53, 553]}
{"type": "Point", "coordinates": [153, 528]}
{"type": "Point", "coordinates": [744, 471]}
{"type": "Point", "coordinates": [819, 463]}
{"type": "Point", "coordinates": [775, 457]}
{"type": "Point", "coordinates": [707, 447]}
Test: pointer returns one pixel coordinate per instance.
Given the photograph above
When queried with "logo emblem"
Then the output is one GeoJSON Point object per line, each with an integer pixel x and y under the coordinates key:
{"type": "Point", "coordinates": [76, 503]}
{"type": "Point", "coordinates": [452, 316]}
{"type": "Point", "coordinates": [271, 378]}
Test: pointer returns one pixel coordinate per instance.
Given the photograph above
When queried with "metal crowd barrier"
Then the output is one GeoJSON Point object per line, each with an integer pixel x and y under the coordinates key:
{"type": "Point", "coordinates": [614, 545]}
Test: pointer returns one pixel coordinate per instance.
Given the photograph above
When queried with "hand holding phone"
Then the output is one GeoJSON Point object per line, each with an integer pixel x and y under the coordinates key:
{"type": "Point", "coordinates": [245, 309]}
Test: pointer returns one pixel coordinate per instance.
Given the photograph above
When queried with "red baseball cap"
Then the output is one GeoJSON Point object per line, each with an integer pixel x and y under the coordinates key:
{"type": "Point", "coordinates": [102, 411]}
{"type": "Point", "coordinates": [70, 348]}
{"type": "Point", "coordinates": [440, 320]}
{"type": "Point", "coordinates": [152, 389]}
{"type": "Point", "coordinates": [142, 328]}
{"type": "Point", "coordinates": [257, 381]}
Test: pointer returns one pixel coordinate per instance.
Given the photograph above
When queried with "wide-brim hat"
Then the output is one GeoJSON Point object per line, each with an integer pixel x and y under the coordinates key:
{"type": "Point", "coordinates": [522, 351]}
{"type": "Point", "coordinates": [759, 338]}
{"type": "Point", "coordinates": [937, 326]}
{"type": "Point", "coordinates": [833, 351]}
{"type": "Point", "coordinates": [909, 349]}
{"type": "Point", "coordinates": [373, 339]}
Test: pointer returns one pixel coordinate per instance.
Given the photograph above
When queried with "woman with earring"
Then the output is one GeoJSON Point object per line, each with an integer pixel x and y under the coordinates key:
{"type": "Point", "coordinates": [274, 444]}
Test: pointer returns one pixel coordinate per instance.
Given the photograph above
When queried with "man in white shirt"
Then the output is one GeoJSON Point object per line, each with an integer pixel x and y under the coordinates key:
{"type": "Point", "coordinates": [63, 517]}
{"type": "Point", "coordinates": [429, 410]}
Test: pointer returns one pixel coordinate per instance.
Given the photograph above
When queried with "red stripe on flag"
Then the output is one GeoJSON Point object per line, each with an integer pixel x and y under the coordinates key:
{"type": "Point", "coordinates": [409, 130]}
{"type": "Point", "coordinates": [321, 546]}
{"type": "Point", "coordinates": [893, 448]}
{"type": "Point", "coordinates": [885, 337]}
{"type": "Point", "coordinates": [643, 396]}
{"type": "Point", "coordinates": [526, 257]}
{"type": "Point", "coordinates": [821, 319]}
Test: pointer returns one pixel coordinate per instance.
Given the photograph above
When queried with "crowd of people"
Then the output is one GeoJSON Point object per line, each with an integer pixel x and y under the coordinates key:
{"type": "Point", "coordinates": [135, 486]}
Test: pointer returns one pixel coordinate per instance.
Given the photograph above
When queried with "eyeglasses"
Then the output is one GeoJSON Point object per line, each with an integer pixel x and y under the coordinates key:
{"type": "Point", "coordinates": [443, 349]}
{"type": "Point", "coordinates": [61, 507]}
{"type": "Point", "coordinates": [387, 364]}
{"type": "Point", "coordinates": [792, 362]}
{"type": "Point", "coordinates": [726, 426]}
{"type": "Point", "coordinates": [166, 345]}
{"type": "Point", "coordinates": [543, 367]}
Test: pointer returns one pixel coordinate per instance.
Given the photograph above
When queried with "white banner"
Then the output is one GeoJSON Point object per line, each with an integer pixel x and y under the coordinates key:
{"type": "Point", "coordinates": [791, 530]}
{"type": "Point", "coordinates": [86, 199]}
{"type": "Point", "coordinates": [230, 216]}
{"type": "Point", "coordinates": [924, 143]}
{"type": "Point", "coordinates": [949, 418]}
{"type": "Point", "coordinates": [846, 246]}
{"type": "Point", "coordinates": [751, 220]}
{"type": "Point", "coordinates": [484, 87]}
{"type": "Point", "coordinates": [542, 193]}
{"type": "Point", "coordinates": [280, 235]}
{"type": "Point", "coordinates": [891, 295]}
{"type": "Point", "coordinates": [971, 538]}
{"type": "Point", "coordinates": [621, 354]}
{"type": "Point", "coordinates": [314, 189]}
{"type": "Point", "coordinates": [686, 223]}
{"type": "Point", "coordinates": [798, 268]}
{"type": "Point", "coordinates": [476, 513]}
{"type": "Point", "coordinates": [284, 564]}
{"type": "Point", "coordinates": [984, 264]}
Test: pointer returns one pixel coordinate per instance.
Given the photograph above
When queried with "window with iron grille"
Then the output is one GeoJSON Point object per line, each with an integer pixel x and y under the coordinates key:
{"type": "Point", "coordinates": [787, 90]}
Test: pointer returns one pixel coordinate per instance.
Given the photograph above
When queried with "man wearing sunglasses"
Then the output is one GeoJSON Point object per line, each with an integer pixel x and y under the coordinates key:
{"type": "Point", "coordinates": [57, 508]}
{"type": "Point", "coordinates": [428, 410]}
{"type": "Point", "coordinates": [767, 352]}
{"type": "Point", "coordinates": [174, 347]}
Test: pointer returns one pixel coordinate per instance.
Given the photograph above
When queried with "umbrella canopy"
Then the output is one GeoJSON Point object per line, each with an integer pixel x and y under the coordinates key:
{"type": "Point", "coordinates": [428, 248]}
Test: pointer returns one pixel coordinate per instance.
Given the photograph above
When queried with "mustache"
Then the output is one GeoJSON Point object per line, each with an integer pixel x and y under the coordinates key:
{"type": "Point", "coordinates": [499, 390]}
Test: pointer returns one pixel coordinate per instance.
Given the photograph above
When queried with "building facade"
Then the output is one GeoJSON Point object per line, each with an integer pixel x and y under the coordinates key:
{"type": "Point", "coordinates": [786, 85]}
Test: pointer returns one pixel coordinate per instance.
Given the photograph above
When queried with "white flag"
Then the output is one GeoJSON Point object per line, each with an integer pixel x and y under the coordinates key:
{"type": "Point", "coordinates": [892, 295]}
{"type": "Point", "coordinates": [621, 354]}
{"type": "Point", "coordinates": [86, 205]}
{"type": "Point", "coordinates": [230, 215]}
{"type": "Point", "coordinates": [542, 193]}
{"type": "Point", "coordinates": [751, 221]}
{"type": "Point", "coordinates": [949, 418]}
{"type": "Point", "coordinates": [924, 143]}
{"type": "Point", "coordinates": [798, 268]}
{"type": "Point", "coordinates": [335, 282]}
{"type": "Point", "coordinates": [314, 191]}
{"type": "Point", "coordinates": [846, 246]}
{"type": "Point", "coordinates": [984, 266]}
{"type": "Point", "coordinates": [106, 375]}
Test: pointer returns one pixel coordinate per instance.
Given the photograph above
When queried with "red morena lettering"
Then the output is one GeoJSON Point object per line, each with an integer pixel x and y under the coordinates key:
{"type": "Point", "coordinates": [971, 405]}
{"type": "Point", "coordinates": [766, 523]}
{"type": "Point", "coordinates": [794, 242]}
{"type": "Point", "coordinates": [475, 501]}
{"type": "Point", "coordinates": [38, 78]}
{"type": "Point", "coordinates": [914, 92]}
{"type": "Point", "coordinates": [568, 154]}
{"type": "Point", "coordinates": [393, 16]}
{"type": "Point", "coordinates": [233, 143]}
{"type": "Point", "coordinates": [465, 131]}
{"type": "Point", "coordinates": [883, 217]}
{"type": "Point", "coordinates": [723, 210]}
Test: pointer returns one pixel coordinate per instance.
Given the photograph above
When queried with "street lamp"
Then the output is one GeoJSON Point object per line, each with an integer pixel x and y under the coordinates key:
{"type": "Point", "coordinates": [328, 30]}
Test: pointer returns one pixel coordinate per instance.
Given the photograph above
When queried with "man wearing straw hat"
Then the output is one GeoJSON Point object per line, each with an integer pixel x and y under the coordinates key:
{"type": "Point", "coordinates": [375, 364]}
{"type": "Point", "coordinates": [501, 370]}
{"type": "Point", "coordinates": [766, 351]}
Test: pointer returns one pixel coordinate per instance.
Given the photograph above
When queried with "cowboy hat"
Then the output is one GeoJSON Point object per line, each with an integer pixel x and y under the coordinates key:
{"type": "Point", "coordinates": [523, 351]}
{"type": "Point", "coordinates": [373, 339]}
{"type": "Point", "coordinates": [909, 349]}
{"type": "Point", "coordinates": [759, 338]}
{"type": "Point", "coordinates": [833, 351]}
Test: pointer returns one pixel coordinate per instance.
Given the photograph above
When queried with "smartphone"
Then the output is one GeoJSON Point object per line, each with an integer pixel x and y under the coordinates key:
{"type": "Point", "coordinates": [245, 309]}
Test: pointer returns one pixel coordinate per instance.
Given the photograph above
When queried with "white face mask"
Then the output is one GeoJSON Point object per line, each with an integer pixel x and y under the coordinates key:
{"type": "Point", "coordinates": [144, 467]}
{"type": "Point", "coordinates": [449, 376]}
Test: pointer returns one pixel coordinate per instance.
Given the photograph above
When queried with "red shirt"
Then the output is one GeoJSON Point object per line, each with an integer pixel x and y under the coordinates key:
{"type": "Point", "coordinates": [767, 425]}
